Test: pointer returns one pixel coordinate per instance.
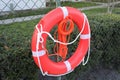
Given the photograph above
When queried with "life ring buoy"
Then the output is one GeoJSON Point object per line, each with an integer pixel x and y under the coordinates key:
{"type": "Point", "coordinates": [48, 21]}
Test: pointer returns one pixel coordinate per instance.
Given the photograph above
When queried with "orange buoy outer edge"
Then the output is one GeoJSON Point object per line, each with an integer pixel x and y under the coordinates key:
{"type": "Point", "coordinates": [47, 66]}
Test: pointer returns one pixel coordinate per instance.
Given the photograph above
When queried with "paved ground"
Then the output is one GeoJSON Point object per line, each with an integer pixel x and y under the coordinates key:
{"type": "Point", "coordinates": [100, 74]}
{"type": "Point", "coordinates": [21, 19]}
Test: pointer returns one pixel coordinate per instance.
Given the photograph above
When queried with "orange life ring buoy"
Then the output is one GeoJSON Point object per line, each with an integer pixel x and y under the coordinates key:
{"type": "Point", "coordinates": [48, 21]}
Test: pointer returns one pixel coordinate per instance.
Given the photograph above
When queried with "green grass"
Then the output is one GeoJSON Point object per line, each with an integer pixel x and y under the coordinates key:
{"type": "Point", "coordinates": [95, 11]}
{"type": "Point", "coordinates": [116, 10]}
{"type": "Point", "coordinates": [73, 4]}
{"type": "Point", "coordinates": [78, 4]}
{"type": "Point", "coordinates": [101, 10]}
{"type": "Point", "coordinates": [105, 1]}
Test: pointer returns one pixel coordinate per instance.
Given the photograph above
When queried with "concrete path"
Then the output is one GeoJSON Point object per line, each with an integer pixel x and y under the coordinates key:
{"type": "Point", "coordinates": [27, 18]}
{"type": "Point", "coordinates": [100, 73]}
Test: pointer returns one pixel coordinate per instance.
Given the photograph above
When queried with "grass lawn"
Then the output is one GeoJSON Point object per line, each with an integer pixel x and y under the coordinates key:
{"type": "Point", "coordinates": [100, 10]}
{"type": "Point", "coordinates": [104, 1]}
{"type": "Point", "coordinates": [78, 4]}
{"type": "Point", "coordinates": [95, 11]}
{"type": "Point", "coordinates": [73, 4]}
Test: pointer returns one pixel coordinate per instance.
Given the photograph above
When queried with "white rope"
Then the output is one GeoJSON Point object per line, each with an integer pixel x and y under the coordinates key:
{"type": "Point", "coordinates": [88, 54]}
{"type": "Point", "coordinates": [39, 39]}
{"type": "Point", "coordinates": [59, 74]}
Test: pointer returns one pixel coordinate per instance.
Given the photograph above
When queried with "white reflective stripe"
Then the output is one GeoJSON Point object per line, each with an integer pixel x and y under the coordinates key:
{"type": "Point", "coordinates": [65, 11]}
{"type": "Point", "coordinates": [68, 65]}
{"type": "Point", "coordinates": [85, 36]}
{"type": "Point", "coordinates": [39, 53]}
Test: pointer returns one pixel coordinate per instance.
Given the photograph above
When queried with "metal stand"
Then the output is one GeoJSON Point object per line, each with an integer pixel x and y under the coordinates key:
{"type": "Point", "coordinates": [58, 5]}
{"type": "Point", "coordinates": [49, 77]}
{"type": "Point", "coordinates": [59, 78]}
